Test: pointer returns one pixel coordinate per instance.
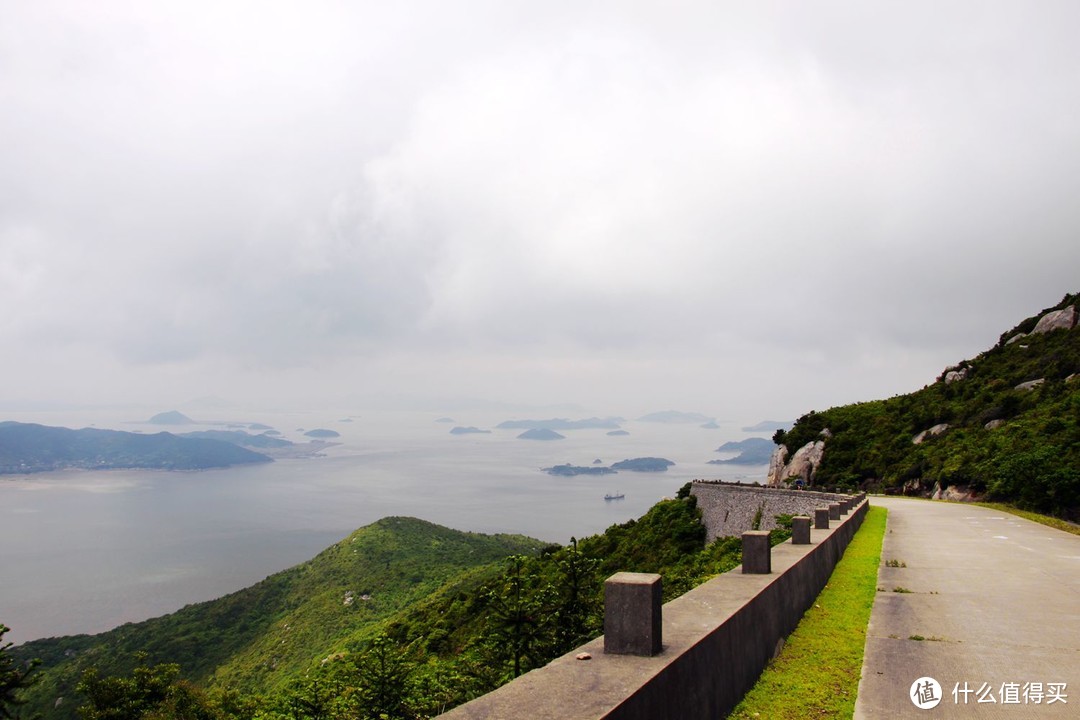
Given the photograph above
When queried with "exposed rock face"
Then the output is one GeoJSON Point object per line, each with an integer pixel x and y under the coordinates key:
{"type": "Point", "coordinates": [1064, 319]}
{"type": "Point", "coordinates": [936, 430]}
{"type": "Point", "coordinates": [776, 466]}
{"type": "Point", "coordinates": [802, 466]}
{"type": "Point", "coordinates": [994, 424]}
{"type": "Point", "coordinates": [1030, 384]}
{"type": "Point", "coordinates": [1014, 338]}
{"type": "Point", "coordinates": [959, 493]}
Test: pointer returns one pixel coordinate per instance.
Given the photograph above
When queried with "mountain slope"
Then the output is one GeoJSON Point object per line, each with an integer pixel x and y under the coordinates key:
{"type": "Point", "coordinates": [1004, 425]}
{"type": "Point", "coordinates": [261, 637]}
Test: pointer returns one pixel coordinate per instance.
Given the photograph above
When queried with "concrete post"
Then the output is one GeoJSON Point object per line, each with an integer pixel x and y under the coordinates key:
{"type": "Point", "coordinates": [821, 518]}
{"type": "Point", "coordinates": [800, 530]}
{"type": "Point", "coordinates": [834, 511]}
{"type": "Point", "coordinates": [632, 614]}
{"type": "Point", "coordinates": [845, 506]}
{"type": "Point", "coordinates": [756, 553]}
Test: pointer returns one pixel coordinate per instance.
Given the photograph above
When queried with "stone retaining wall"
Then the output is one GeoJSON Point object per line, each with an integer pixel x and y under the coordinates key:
{"type": "Point", "coordinates": [729, 509]}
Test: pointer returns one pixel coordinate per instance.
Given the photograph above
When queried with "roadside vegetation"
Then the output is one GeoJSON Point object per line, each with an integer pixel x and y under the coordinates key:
{"type": "Point", "coordinates": [1008, 426]}
{"type": "Point", "coordinates": [816, 675]}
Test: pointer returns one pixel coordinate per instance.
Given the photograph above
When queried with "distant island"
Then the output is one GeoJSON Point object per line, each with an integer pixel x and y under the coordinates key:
{"type": "Point", "coordinates": [768, 426]}
{"type": "Point", "coordinates": [752, 451]}
{"type": "Point", "coordinates": [267, 443]}
{"type": "Point", "coordinates": [675, 417]}
{"type": "Point", "coordinates": [239, 437]}
{"type": "Point", "coordinates": [322, 433]}
{"type": "Point", "coordinates": [562, 424]}
{"type": "Point", "coordinates": [260, 426]}
{"type": "Point", "coordinates": [569, 470]}
{"type": "Point", "coordinates": [615, 433]}
{"type": "Point", "coordinates": [711, 425]}
{"type": "Point", "coordinates": [643, 464]}
{"type": "Point", "coordinates": [172, 417]}
{"type": "Point", "coordinates": [32, 448]}
{"type": "Point", "coordinates": [541, 434]}
{"type": "Point", "coordinates": [468, 430]}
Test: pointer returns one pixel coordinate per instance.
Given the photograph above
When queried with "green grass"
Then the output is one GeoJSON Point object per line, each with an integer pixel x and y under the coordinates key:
{"type": "Point", "coordinates": [817, 673]}
{"type": "Point", "coordinates": [1056, 523]}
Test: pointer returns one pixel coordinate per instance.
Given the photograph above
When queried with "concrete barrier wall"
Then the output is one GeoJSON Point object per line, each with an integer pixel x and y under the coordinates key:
{"type": "Point", "coordinates": [728, 509]}
{"type": "Point", "coordinates": [717, 639]}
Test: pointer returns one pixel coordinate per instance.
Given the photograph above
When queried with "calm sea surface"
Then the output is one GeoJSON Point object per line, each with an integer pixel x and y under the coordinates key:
{"type": "Point", "coordinates": [82, 551]}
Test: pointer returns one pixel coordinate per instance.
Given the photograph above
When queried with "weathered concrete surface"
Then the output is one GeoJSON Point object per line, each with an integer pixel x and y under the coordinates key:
{"type": "Point", "coordinates": [632, 614]}
{"type": "Point", "coordinates": [756, 555]}
{"type": "Point", "coordinates": [996, 596]}
{"type": "Point", "coordinates": [717, 639]}
{"type": "Point", "coordinates": [800, 530]}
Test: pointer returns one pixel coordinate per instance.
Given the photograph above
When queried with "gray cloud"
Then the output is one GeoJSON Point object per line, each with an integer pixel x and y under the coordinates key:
{"type": "Point", "coordinates": [689, 201]}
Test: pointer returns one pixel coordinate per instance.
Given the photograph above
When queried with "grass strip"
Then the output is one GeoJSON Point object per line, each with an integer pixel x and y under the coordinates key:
{"type": "Point", "coordinates": [817, 673]}
{"type": "Point", "coordinates": [1056, 523]}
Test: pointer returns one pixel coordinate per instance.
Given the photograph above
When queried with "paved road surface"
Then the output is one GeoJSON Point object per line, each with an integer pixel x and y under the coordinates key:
{"type": "Point", "coordinates": [998, 600]}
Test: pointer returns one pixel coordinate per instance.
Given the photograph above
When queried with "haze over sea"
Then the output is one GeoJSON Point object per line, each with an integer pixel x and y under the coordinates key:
{"type": "Point", "coordinates": [85, 551]}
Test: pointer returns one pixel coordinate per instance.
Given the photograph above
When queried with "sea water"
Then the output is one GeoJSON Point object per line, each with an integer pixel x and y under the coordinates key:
{"type": "Point", "coordinates": [85, 551]}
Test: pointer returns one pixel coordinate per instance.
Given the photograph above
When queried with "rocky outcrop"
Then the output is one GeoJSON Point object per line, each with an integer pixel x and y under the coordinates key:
{"type": "Point", "coordinates": [776, 466]}
{"type": "Point", "coordinates": [1030, 384]}
{"type": "Point", "coordinates": [936, 430]}
{"type": "Point", "coordinates": [994, 424]}
{"type": "Point", "coordinates": [958, 493]}
{"type": "Point", "coordinates": [802, 466]}
{"type": "Point", "coordinates": [955, 375]}
{"type": "Point", "coordinates": [1064, 319]}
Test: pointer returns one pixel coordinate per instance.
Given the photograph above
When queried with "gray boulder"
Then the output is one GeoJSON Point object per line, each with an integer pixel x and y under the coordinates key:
{"type": "Point", "coordinates": [936, 430]}
{"type": "Point", "coordinates": [1064, 319]}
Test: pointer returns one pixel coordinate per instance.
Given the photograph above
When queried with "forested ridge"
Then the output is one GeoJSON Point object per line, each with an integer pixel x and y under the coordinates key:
{"type": "Point", "coordinates": [1004, 425]}
{"type": "Point", "coordinates": [402, 619]}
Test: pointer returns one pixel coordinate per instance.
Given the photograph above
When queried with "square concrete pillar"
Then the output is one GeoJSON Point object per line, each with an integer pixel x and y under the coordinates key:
{"type": "Point", "coordinates": [756, 553]}
{"type": "Point", "coordinates": [800, 530]}
{"type": "Point", "coordinates": [632, 614]}
{"type": "Point", "coordinates": [845, 506]}
{"type": "Point", "coordinates": [834, 511]}
{"type": "Point", "coordinates": [821, 518]}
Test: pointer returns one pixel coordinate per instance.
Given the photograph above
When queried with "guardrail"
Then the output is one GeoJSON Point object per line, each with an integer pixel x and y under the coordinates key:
{"type": "Point", "coordinates": [694, 657]}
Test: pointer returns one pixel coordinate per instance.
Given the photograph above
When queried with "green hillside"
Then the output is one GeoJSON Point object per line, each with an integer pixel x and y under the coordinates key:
{"type": "Point", "coordinates": [432, 616]}
{"type": "Point", "coordinates": [262, 636]}
{"type": "Point", "coordinates": [1011, 432]}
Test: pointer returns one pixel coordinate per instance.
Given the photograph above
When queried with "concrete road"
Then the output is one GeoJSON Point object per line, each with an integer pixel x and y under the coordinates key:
{"type": "Point", "coordinates": [996, 599]}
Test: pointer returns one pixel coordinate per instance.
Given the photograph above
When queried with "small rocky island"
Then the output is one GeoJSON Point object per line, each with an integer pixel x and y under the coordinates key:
{"type": "Point", "coordinates": [172, 417]}
{"type": "Point", "coordinates": [752, 451]}
{"type": "Point", "coordinates": [322, 433]}
{"type": "Point", "coordinates": [644, 464]}
{"type": "Point", "coordinates": [541, 434]}
{"type": "Point", "coordinates": [470, 430]}
{"type": "Point", "coordinates": [569, 470]}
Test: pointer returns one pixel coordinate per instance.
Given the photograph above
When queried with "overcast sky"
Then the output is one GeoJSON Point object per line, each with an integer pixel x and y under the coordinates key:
{"type": "Point", "coordinates": [748, 210]}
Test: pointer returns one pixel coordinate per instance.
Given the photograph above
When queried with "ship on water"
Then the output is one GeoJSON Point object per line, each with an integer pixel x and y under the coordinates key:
{"type": "Point", "coordinates": [618, 496]}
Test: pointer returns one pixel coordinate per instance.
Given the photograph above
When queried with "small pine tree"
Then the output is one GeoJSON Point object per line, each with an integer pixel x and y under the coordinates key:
{"type": "Point", "coordinates": [14, 678]}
